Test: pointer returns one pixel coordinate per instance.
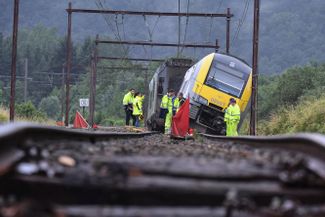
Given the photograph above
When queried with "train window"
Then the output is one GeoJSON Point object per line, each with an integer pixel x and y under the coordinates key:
{"type": "Point", "coordinates": [160, 85]}
{"type": "Point", "coordinates": [226, 79]}
{"type": "Point", "coordinates": [151, 93]}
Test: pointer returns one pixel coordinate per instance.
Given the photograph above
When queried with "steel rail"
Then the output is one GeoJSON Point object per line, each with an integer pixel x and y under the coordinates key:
{"type": "Point", "coordinates": [169, 190]}
{"type": "Point", "coordinates": [185, 211]}
{"type": "Point", "coordinates": [19, 132]}
{"type": "Point", "coordinates": [312, 145]}
{"type": "Point", "coordinates": [130, 177]}
{"type": "Point", "coordinates": [13, 136]}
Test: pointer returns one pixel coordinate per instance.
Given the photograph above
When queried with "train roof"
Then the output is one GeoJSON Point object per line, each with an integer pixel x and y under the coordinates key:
{"type": "Point", "coordinates": [233, 56]}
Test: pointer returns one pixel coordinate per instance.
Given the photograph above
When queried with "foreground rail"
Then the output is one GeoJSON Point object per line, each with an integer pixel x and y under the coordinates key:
{"type": "Point", "coordinates": [145, 174]}
{"type": "Point", "coordinates": [311, 145]}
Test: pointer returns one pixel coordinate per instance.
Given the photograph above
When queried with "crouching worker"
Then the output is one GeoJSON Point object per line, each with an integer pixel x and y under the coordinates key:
{"type": "Point", "coordinates": [232, 118]}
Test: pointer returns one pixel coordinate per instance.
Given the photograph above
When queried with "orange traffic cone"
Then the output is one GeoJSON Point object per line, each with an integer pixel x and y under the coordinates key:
{"type": "Point", "coordinates": [79, 121]}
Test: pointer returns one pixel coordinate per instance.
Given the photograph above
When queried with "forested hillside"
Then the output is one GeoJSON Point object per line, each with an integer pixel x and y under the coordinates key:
{"type": "Point", "coordinates": [293, 101]}
{"type": "Point", "coordinates": [291, 31]}
{"type": "Point", "coordinates": [291, 42]}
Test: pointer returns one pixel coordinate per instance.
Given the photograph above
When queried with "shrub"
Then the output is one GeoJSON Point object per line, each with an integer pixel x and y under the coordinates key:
{"type": "Point", "coordinates": [28, 110]}
{"type": "Point", "coordinates": [50, 106]}
{"type": "Point", "coordinates": [307, 116]}
{"type": "Point", "coordinates": [112, 122]}
{"type": "Point", "coordinates": [4, 116]}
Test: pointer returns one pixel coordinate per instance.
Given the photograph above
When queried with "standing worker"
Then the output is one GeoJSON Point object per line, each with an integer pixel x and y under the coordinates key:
{"type": "Point", "coordinates": [137, 108]}
{"type": "Point", "coordinates": [169, 115]}
{"type": "Point", "coordinates": [164, 106]}
{"type": "Point", "coordinates": [128, 106]}
{"type": "Point", "coordinates": [232, 118]}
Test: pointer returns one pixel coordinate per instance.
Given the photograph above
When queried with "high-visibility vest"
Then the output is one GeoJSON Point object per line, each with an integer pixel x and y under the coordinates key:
{"type": "Point", "coordinates": [128, 98]}
{"type": "Point", "coordinates": [165, 101]}
{"type": "Point", "coordinates": [232, 114]}
{"type": "Point", "coordinates": [176, 104]}
{"type": "Point", "coordinates": [137, 106]}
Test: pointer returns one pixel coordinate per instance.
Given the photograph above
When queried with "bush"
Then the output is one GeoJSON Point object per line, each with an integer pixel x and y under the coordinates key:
{"type": "Point", "coordinates": [4, 116]}
{"type": "Point", "coordinates": [28, 110]}
{"type": "Point", "coordinates": [112, 122]}
{"type": "Point", "coordinates": [290, 87]}
{"type": "Point", "coordinates": [50, 106]}
{"type": "Point", "coordinates": [307, 116]}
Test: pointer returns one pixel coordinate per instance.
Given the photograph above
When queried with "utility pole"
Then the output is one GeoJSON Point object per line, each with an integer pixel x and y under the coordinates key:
{"type": "Point", "coordinates": [25, 81]}
{"type": "Point", "coordinates": [217, 46]}
{"type": "Point", "coordinates": [13, 62]}
{"type": "Point", "coordinates": [68, 71]}
{"type": "Point", "coordinates": [253, 118]}
{"type": "Point", "coordinates": [3, 94]}
{"type": "Point", "coordinates": [179, 26]}
{"type": "Point", "coordinates": [93, 76]}
{"type": "Point", "coordinates": [62, 92]}
{"type": "Point", "coordinates": [228, 31]}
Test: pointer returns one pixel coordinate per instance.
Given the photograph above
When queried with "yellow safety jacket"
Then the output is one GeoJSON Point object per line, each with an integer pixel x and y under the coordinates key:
{"type": "Point", "coordinates": [137, 105]}
{"type": "Point", "coordinates": [176, 105]}
{"type": "Point", "coordinates": [128, 98]}
{"type": "Point", "coordinates": [232, 114]}
{"type": "Point", "coordinates": [232, 117]}
{"type": "Point", "coordinates": [166, 102]}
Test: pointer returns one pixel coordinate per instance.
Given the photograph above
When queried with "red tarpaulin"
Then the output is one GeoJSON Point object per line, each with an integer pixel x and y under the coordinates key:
{"type": "Point", "coordinates": [181, 121]}
{"type": "Point", "coordinates": [79, 121]}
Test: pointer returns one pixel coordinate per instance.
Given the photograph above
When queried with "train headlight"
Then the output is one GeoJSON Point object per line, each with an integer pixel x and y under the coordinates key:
{"type": "Point", "coordinates": [199, 99]}
{"type": "Point", "coordinates": [202, 100]}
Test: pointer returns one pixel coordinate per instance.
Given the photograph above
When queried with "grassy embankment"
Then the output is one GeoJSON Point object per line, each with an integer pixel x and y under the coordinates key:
{"type": "Point", "coordinates": [4, 118]}
{"type": "Point", "coordinates": [292, 102]}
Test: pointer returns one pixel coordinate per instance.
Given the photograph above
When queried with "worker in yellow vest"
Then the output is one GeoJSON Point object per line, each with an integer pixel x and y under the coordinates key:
{"type": "Point", "coordinates": [128, 106]}
{"type": "Point", "coordinates": [232, 118]}
{"type": "Point", "coordinates": [168, 102]}
{"type": "Point", "coordinates": [166, 99]}
{"type": "Point", "coordinates": [137, 108]}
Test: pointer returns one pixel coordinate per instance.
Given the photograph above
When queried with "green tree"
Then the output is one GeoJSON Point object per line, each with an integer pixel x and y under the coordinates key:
{"type": "Point", "coordinates": [51, 106]}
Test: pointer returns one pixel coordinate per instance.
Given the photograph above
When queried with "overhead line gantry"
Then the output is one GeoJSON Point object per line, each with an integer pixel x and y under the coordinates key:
{"type": "Point", "coordinates": [70, 10]}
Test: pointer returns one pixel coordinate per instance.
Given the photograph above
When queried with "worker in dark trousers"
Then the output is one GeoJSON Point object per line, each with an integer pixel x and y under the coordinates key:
{"type": "Point", "coordinates": [128, 107]}
{"type": "Point", "coordinates": [165, 101]}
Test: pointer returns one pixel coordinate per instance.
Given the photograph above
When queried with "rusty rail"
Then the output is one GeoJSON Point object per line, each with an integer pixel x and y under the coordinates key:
{"type": "Point", "coordinates": [312, 145]}
{"type": "Point", "coordinates": [106, 184]}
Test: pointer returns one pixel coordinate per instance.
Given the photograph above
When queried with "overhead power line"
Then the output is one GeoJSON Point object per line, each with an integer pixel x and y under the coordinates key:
{"type": "Point", "coordinates": [241, 21]}
{"type": "Point", "coordinates": [156, 44]}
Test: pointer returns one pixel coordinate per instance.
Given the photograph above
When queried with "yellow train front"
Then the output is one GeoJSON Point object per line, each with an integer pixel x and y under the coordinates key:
{"type": "Point", "coordinates": [210, 84]}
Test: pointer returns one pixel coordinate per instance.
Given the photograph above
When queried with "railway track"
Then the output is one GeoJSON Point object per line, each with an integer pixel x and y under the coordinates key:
{"type": "Point", "coordinates": [59, 172]}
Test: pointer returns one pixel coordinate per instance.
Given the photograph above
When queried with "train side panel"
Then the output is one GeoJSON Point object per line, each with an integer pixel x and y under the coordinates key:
{"type": "Point", "coordinates": [168, 76]}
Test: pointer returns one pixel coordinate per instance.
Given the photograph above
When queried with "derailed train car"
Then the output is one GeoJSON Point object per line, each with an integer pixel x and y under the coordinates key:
{"type": "Point", "coordinates": [169, 75]}
{"type": "Point", "coordinates": [209, 84]}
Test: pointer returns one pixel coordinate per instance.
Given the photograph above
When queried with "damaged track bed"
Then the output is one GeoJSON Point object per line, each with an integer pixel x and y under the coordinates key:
{"type": "Point", "coordinates": [48, 171]}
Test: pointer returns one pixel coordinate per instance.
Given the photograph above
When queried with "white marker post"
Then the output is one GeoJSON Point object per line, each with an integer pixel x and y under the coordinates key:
{"type": "Point", "coordinates": [84, 103]}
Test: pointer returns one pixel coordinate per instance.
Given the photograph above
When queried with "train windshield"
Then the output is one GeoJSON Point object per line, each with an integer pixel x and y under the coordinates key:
{"type": "Point", "coordinates": [226, 78]}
